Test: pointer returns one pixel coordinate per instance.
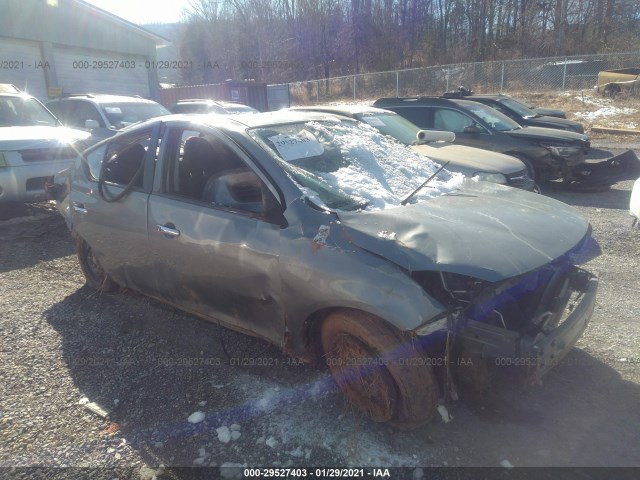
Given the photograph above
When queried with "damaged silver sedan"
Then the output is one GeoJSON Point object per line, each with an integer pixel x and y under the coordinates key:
{"type": "Point", "coordinates": [328, 239]}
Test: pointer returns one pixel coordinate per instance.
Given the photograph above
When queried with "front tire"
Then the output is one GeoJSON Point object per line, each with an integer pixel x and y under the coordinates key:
{"type": "Point", "coordinates": [93, 272]}
{"type": "Point", "coordinates": [527, 163]}
{"type": "Point", "coordinates": [379, 370]}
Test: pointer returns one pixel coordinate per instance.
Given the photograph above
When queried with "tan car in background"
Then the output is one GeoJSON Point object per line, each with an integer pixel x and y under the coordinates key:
{"type": "Point", "coordinates": [612, 82]}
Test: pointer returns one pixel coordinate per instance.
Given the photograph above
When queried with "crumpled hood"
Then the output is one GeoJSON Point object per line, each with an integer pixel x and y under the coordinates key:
{"type": "Point", "coordinates": [472, 158]}
{"type": "Point", "coordinates": [549, 134]}
{"type": "Point", "coordinates": [484, 230]}
{"type": "Point", "coordinates": [28, 137]}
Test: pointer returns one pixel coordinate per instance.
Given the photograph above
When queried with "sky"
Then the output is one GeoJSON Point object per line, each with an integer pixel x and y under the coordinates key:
{"type": "Point", "coordinates": [144, 11]}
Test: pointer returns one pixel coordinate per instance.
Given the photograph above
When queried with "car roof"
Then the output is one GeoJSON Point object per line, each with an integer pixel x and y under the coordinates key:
{"type": "Point", "coordinates": [9, 88]}
{"type": "Point", "coordinates": [106, 98]}
{"type": "Point", "coordinates": [208, 101]}
{"type": "Point", "coordinates": [271, 118]}
{"type": "Point", "coordinates": [346, 109]}
{"type": "Point", "coordinates": [240, 121]}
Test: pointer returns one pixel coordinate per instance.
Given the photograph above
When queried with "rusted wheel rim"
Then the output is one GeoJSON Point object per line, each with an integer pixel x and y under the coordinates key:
{"type": "Point", "coordinates": [362, 377]}
{"type": "Point", "coordinates": [94, 267]}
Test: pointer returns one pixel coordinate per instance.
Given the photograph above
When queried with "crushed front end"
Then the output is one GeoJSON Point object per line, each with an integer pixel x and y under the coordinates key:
{"type": "Point", "coordinates": [531, 320]}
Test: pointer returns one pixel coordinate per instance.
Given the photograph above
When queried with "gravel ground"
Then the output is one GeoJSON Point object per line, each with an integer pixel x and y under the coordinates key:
{"type": "Point", "coordinates": [65, 349]}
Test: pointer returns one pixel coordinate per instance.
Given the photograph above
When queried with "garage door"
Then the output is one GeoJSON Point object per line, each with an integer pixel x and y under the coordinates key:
{"type": "Point", "coordinates": [82, 71]}
{"type": "Point", "coordinates": [21, 64]}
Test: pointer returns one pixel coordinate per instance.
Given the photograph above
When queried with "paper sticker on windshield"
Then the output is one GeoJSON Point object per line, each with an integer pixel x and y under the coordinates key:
{"type": "Point", "coordinates": [373, 121]}
{"type": "Point", "coordinates": [295, 147]}
{"type": "Point", "coordinates": [113, 110]}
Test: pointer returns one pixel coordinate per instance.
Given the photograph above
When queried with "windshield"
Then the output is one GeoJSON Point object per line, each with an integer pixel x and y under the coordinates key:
{"type": "Point", "coordinates": [346, 165]}
{"type": "Point", "coordinates": [24, 111]}
{"type": "Point", "coordinates": [518, 107]}
{"type": "Point", "coordinates": [123, 114]}
{"type": "Point", "coordinates": [491, 116]}
{"type": "Point", "coordinates": [393, 125]}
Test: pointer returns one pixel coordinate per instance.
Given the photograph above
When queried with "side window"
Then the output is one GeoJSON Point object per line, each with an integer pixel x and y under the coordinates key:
{"type": "Point", "coordinates": [501, 108]}
{"type": "Point", "coordinates": [59, 110]}
{"type": "Point", "coordinates": [445, 119]}
{"type": "Point", "coordinates": [82, 112]}
{"type": "Point", "coordinates": [202, 167]}
{"type": "Point", "coordinates": [94, 161]}
{"type": "Point", "coordinates": [418, 116]}
{"type": "Point", "coordinates": [123, 159]}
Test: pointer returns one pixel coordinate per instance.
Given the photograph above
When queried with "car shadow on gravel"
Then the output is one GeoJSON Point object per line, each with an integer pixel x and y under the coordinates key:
{"type": "Point", "coordinates": [584, 414]}
{"type": "Point", "coordinates": [18, 239]}
{"type": "Point", "coordinates": [151, 366]}
{"type": "Point", "coordinates": [616, 198]}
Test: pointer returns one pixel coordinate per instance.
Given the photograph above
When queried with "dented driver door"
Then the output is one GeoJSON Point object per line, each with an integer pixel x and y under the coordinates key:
{"type": "Point", "coordinates": [211, 259]}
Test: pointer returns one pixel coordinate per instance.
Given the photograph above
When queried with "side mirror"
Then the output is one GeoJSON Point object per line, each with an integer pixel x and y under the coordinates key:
{"type": "Point", "coordinates": [91, 124]}
{"type": "Point", "coordinates": [473, 129]}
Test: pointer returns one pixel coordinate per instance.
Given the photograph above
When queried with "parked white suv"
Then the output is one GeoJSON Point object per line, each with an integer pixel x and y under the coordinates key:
{"type": "Point", "coordinates": [104, 115]}
{"type": "Point", "coordinates": [34, 146]}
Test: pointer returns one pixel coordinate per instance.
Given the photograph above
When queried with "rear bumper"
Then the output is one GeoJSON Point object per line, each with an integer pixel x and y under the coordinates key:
{"type": "Point", "coordinates": [25, 183]}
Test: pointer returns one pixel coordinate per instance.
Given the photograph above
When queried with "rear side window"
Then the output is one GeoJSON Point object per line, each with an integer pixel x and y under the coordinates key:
{"type": "Point", "coordinates": [418, 115]}
{"type": "Point", "coordinates": [450, 120]}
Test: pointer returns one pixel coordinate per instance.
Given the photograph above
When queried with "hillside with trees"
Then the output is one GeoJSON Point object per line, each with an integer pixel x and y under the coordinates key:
{"type": "Point", "coordinates": [291, 40]}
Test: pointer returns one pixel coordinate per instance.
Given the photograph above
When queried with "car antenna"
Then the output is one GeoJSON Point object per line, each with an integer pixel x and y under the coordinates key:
{"type": "Point", "coordinates": [412, 194]}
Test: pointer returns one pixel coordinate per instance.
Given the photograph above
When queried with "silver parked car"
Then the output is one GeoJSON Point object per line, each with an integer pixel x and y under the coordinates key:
{"type": "Point", "coordinates": [335, 243]}
{"type": "Point", "coordinates": [34, 146]}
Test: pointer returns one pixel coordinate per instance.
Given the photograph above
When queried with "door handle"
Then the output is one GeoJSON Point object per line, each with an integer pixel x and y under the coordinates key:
{"type": "Point", "coordinates": [168, 230]}
{"type": "Point", "coordinates": [78, 207]}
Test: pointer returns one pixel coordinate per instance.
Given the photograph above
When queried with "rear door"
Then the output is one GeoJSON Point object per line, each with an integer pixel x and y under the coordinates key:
{"type": "Point", "coordinates": [114, 223]}
{"type": "Point", "coordinates": [213, 236]}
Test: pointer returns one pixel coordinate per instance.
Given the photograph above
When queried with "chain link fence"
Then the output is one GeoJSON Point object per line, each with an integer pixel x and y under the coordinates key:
{"type": "Point", "coordinates": [534, 75]}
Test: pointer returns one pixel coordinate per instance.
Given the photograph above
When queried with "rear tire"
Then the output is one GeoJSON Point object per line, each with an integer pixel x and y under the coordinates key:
{"type": "Point", "coordinates": [612, 90]}
{"type": "Point", "coordinates": [93, 272]}
{"type": "Point", "coordinates": [379, 370]}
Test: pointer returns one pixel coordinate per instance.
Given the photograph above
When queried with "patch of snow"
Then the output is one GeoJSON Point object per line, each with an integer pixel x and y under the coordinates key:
{"type": "Point", "coordinates": [202, 403]}
{"type": "Point", "coordinates": [224, 434]}
{"type": "Point", "coordinates": [378, 170]}
{"type": "Point", "coordinates": [235, 435]}
{"type": "Point", "coordinates": [271, 442]}
{"type": "Point", "coordinates": [298, 452]}
{"type": "Point", "coordinates": [387, 235]}
{"type": "Point", "coordinates": [606, 112]}
{"type": "Point", "coordinates": [196, 417]}
{"type": "Point", "coordinates": [234, 426]}
{"type": "Point", "coordinates": [444, 413]}
{"type": "Point", "coordinates": [506, 464]}
{"type": "Point", "coordinates": [321, 236]}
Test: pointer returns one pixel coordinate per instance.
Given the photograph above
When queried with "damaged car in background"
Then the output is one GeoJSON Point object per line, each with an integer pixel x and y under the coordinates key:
{"type": "Point", "coordinates": [548, 153]}
{"type": "Point", "coordinates": [324, 237]}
